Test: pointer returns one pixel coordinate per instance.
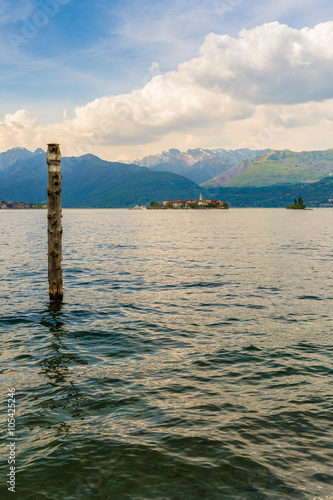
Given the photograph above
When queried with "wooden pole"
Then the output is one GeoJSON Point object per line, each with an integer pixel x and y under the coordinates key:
{"type": "Point", "coordinates": [53, 157]}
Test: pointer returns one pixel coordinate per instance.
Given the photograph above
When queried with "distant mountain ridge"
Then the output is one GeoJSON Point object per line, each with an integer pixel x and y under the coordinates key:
{"type": "Point", "coordinates": [272, 179]}
{"type": "Point", "coordinates": [198, 165]}
{"type": "Point", "coordinates": [9, 157]}
{"type": "Point", "coordinates": [277, 167]}
{"type": "Point", "coordinates": [89, 181]}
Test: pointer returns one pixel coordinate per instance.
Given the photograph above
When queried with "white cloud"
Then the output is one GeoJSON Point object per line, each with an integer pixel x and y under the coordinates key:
{"type": "Point", "coordinates": [271, 63]}
{"type": "Point", "coordinates": [17, 129]}
{"type": "Point", "coordinates": [263, 86]}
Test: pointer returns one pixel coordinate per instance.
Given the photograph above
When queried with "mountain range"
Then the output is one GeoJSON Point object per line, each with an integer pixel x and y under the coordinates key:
{"type": "Point", "coordinates": [198, 165]}
{"type": "Point", "coordinates": [277, 167]}
{"type": "Point", "coordinates": [89, 181]}
{"type": "Point", "coordinates": [9, 157]}
{"type": "Point", "coordinates": [272, 178]}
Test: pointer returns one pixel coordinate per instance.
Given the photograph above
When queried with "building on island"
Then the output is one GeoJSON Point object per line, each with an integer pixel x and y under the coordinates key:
{"type": "Point", "coordinates": [189, 203]}
{"type": "Point", "coordinates": [19, 204]}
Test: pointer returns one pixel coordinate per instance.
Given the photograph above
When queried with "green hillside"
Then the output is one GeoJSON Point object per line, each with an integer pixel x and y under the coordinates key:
{"type": "Point", "coordinates": [97, 183]}
{"type": "Point", "coordinates": [314, 194]}
{"type": "Point", "coordinates": [89, 181]}
{"type": "Point", "coordinates": [277, 167]}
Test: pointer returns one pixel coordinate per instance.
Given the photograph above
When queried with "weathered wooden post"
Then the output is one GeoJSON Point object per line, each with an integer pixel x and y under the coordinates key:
{"type": "Point", "coordinates": [53, 157]}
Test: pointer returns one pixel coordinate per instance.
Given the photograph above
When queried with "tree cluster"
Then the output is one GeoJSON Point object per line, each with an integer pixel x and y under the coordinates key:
{"type": "Point", "coordinates": [298, 204]}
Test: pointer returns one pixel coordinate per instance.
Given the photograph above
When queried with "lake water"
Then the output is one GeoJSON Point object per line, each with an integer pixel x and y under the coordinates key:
{"type": "Point", "coordinates": [190, 359]}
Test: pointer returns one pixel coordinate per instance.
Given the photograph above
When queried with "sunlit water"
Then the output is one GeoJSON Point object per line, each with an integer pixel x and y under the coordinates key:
{"type": "Point", "coordinates": [191, 358]}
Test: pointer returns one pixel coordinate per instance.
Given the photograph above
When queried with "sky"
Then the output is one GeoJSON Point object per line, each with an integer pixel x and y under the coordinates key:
{"type": "Point", "coordinates": [126, 79]}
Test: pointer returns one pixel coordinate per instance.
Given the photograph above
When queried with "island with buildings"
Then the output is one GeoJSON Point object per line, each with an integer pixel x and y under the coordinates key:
{"type": "Point", "coordinates": [190, 203]}
{"type": "Point", "coordinates": [19, 205]}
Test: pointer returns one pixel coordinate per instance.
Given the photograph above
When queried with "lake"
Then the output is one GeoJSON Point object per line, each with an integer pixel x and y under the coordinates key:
{"type": "Point", "coordinates": [190, 359]}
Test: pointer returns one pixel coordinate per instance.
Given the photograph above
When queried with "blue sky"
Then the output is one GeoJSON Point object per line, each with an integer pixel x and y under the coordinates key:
{"type": "Point", "coordinates": [59, 55]}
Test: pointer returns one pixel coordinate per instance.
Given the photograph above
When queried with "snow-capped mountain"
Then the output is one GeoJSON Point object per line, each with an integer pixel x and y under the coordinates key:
{"type": "Point", "coordinates": [198, 165]}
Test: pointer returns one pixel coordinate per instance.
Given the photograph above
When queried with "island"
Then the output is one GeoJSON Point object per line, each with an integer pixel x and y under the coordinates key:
{"type": "Point", "coordinates": [20, 205]}
{"type": "Point", "coordinates": [297, 205]}
{"type": "Point", "coordinates": [190, 204]}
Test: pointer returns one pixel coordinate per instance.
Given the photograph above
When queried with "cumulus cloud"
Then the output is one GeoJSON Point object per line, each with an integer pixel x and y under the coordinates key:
{"type": "Point", "coordinates": [260, 83]}
{"type": "Point", "coordinates": [17, 129]}
{"type": "Point", "coordinates": [268, 64]}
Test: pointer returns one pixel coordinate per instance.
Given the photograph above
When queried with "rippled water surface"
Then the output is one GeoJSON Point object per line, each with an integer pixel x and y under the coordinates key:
{"type": "Point", "coordinates": [190, 359]}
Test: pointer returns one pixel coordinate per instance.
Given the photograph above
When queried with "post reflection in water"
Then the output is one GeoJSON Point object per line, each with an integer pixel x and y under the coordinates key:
{"type": "Point", "coordinates": [56, 367]}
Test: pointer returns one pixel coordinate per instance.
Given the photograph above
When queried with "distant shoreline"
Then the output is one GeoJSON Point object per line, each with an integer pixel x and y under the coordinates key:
{"type": "Point", "coordinates": [20, 205]}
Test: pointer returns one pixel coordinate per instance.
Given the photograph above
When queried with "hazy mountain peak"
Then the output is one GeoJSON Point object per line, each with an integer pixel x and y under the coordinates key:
{"type": "Point", "coordinates": [174, 152]}
{"type": "Point", "coordinates": [197, 164]}
{"type": "Point", "coordinates": [88, 156]}
{"type": "Point", "coordinates": [8, 158]}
